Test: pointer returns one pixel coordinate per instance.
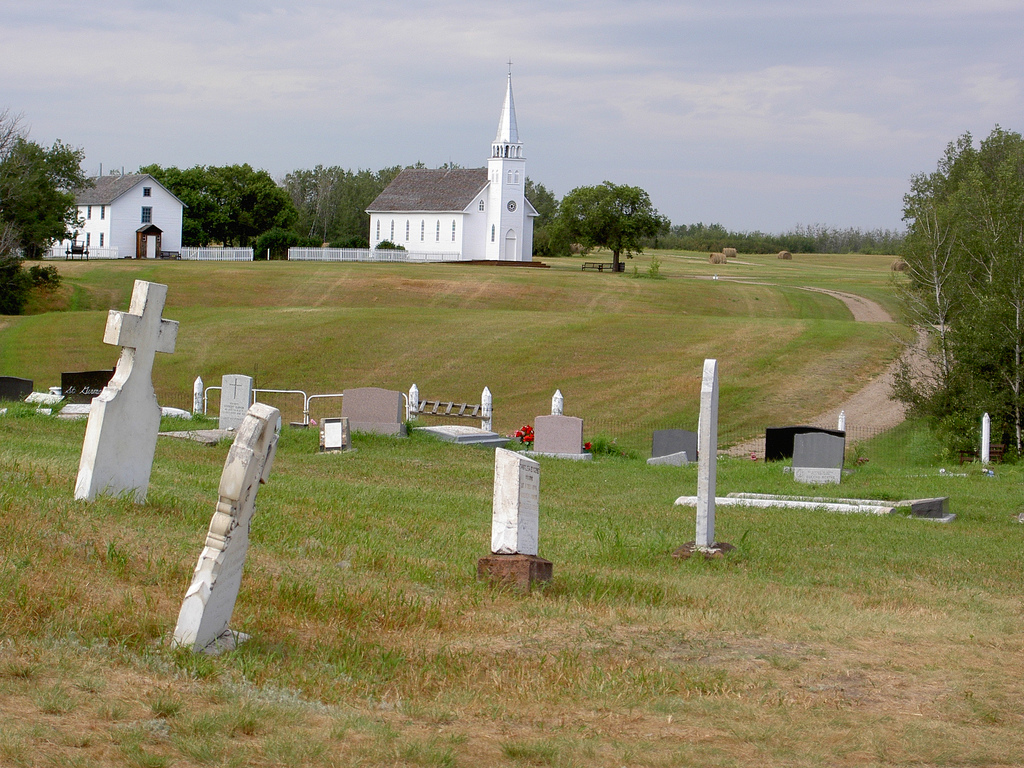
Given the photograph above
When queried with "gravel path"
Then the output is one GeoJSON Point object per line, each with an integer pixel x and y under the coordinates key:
{"type": "Point", "coordinates": [872, 409]}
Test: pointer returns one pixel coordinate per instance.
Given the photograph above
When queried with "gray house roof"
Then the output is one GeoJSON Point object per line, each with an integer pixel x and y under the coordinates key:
{"type": "Point", "coordinates": [106, 189]}
{"type": "Point", "coordinates": [426, 189]}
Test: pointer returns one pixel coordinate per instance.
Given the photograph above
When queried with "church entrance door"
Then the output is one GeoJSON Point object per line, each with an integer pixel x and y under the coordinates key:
{"type": "Point", "coordinates": [509, 252]}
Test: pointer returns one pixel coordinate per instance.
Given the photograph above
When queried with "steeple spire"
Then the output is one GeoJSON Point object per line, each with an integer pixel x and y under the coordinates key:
{"type": "Point", "coordinates": [508, 131]}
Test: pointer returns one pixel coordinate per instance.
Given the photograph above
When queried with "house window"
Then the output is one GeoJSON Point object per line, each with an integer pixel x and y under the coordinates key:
{"type": "Point", "coordinates": [147, 215]}
{"type": "Point", "coordinates": [481, 206]}
{"type": "Point", "coordinates": [103, 212]}
{"type": "Point", "coordinates": [101, 239]}
{"type": "Point", "coordinates": [453, 230]}
{"type": "Point", "coordinates": [492, 233]}
{"type": "Point", "coordinates": [147, 191]}
{"type": "Point", "coordinates": [88, 211]}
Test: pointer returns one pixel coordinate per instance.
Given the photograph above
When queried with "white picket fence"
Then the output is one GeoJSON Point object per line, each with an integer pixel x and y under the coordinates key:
{"type": "Point", "coordinates": [365, 254]}
{"type": "Point", "coordinates": [216, 254]}
{"type": "Point", "coordinates": [59, 251]}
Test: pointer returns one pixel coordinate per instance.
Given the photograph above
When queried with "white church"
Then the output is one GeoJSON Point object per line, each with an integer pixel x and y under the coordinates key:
{"type": "Point", "coordinates": [465, 213]}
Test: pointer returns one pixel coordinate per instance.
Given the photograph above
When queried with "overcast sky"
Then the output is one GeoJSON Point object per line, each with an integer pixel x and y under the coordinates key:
{"type": "Point", "coordinates": [755, 114]}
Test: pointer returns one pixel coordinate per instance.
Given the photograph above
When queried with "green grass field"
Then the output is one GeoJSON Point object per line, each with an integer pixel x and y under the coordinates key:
{"type": "Point", "coordinates": [822, 640]}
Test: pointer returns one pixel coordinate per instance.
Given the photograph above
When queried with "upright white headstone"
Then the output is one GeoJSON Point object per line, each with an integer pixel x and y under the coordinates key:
{"type": "Point", "coordinates": [986, 437]}
{"type": "Point", "coordinates": [235, 399]}
{"type": "Point", "coordinates": [206, 611]}
{"type": "Point", "coordinates": [197, 395]}
{"type": "Point", "coordinates": [515, 517]}
{"type": "Point", "coordinates": [707, 461]}
{"type": "Point", "coordinates": [487, 408]}
{"type": "Point", "coordinates": [557, 403]}
{"type": "Point", "coordinates": [124, 419]}
{"type": "Point", "coordinates": [842, 421]}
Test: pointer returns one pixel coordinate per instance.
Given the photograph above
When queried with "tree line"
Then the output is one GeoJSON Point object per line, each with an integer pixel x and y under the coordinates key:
{"type": "Point", "coordinates": [964, 290]}
{"type": "Point", "coordinates": [815, 238]}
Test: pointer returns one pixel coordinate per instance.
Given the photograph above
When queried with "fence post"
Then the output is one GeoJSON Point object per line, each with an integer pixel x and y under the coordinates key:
{"type": "Point", "coordinates": [486, 403]}
{"type": "Point", "coordinates": [413, 407]}
{"type": "Point", "coordinates": [197, 396]}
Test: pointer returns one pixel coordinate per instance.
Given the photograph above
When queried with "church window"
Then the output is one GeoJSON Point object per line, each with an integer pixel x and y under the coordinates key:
{"type": "Point", "coordinates": [517, 177]}
{"type": "Point", "coordinates": [88, 239]}
{"type": "Point", "coordinates": [492, 233]}
{"type": "Point", "coordinates": [406, 229]}
{"type": "Point", "coordinates": [510, 177]}
{"type": "Point", "coordinates": [101, 239]}
{"type": "Point", "coordinates": [481, 206]}
{"type": "Point", "coordinates": [88, 211]}
{"type": "Point", "coordinates": [453, 230]}
{"type": "Point", "coordinates": [392, 230]}
{"type": "Point", "coordinates": [378, 230]}
{"type": "Point", "coordinates": [103, 212]}
{"type": "Point", "coordinates": [437, 234]}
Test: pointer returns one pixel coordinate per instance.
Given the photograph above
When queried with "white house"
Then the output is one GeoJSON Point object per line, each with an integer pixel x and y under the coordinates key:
{"type": "Point", "coordinates": [133, 213]}
{"type": "Point", "coordinates": [474, 213]}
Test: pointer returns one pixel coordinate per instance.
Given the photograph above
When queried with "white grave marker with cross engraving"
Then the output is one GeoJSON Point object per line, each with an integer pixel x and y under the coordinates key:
{"type": "Point", "coordinates": [235, 399]}
{"type": "Point", "coordinates": [120, 439]}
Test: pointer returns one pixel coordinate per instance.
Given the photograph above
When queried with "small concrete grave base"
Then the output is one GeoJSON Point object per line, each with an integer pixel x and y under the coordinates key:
{"type": "Point", "coordinates": [463, 435]}
{"type": "Point", "coordinates": [672, 460]}
{"type": "Point", "coordinates": [518, 571]}
{"type": "Point", "coordinates": [936, 509]}
{"type": "Point", "coordinates": [202, 436]}
{"type": "Point", "coordinates": [690, 548]}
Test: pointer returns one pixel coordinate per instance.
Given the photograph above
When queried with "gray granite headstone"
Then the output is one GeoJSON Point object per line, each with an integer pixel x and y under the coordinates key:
{"type": "Point", "coordinates": [235, 399]}
{"type": "Point", "coordinates": [558, 435]}
{"type": "Point", "coordinates": [13, 388]}
{"type": "Point", "coordinates": [818, 457]}
{"type": "Point", "coordinates": [372, 409]}
{"type": "Point", "coordinates": [669, 441]}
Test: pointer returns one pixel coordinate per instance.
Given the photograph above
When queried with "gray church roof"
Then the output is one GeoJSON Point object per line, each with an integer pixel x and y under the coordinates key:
{"type": "Point", "coordinates": [106, 189]}
{"type": "Point", "coordinates": [426, 189]}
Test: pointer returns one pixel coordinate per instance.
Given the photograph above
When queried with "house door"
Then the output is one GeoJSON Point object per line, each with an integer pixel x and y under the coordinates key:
{"type": "Point", "coordinates": [509, 252]}
{"type": "Point", "coordinates": [152, 247]}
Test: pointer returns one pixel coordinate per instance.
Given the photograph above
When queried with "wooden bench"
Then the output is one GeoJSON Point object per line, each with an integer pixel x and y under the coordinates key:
{"type": "Point", "coordinates": [600, 266]}
{"type": "Point", "coordinates": [995, 453]}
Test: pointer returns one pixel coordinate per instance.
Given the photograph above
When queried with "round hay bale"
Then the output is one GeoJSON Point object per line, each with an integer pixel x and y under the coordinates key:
{"type": "Point", "coordinates": [730, 253]}
{"type": "Point", "coordinates": [899, 266]}
{"type": "Point", "coordinates": [785, 255]}
{"type": "Point", "coordinates": [717, 258]}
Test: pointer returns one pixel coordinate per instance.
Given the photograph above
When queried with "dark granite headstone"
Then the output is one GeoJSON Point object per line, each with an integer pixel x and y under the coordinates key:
{"type": "Point", "coordinates": [83, 386]}
{"type": "Point", "coordinates": [13, 388]}
{"type": "Point", "coordinates": [669, 441]}
{"type": "Point", "coordinates": [778, 441]}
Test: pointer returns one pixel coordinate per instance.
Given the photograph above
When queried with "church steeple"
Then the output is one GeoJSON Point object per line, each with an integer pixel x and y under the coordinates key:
{"type": "Point", "coordinates": [506, 142]}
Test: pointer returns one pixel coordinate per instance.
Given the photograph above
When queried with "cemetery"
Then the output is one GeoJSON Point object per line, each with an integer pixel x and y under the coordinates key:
{"type": "Point", "coordinates": [359, 592]}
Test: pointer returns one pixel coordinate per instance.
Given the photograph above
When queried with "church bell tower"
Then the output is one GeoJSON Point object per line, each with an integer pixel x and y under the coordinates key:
{"type": "Point", "coordinates": [506, 203]}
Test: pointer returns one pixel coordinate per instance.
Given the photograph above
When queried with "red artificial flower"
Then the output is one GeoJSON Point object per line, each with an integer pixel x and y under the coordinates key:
{"type": "Point", "coordinates": [586, 446]}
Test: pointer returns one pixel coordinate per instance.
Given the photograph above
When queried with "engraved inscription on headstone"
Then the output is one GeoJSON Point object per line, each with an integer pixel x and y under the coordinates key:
{"type": "Point", "coordinates": [235, 399]}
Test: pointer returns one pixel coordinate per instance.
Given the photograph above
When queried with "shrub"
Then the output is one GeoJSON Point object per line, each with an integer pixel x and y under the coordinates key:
{"type": "Point", "coordinates": [15, 284]}
{"type": "Point", "coordinates": [387, 245]}
{"type": "Point", "coordinates": [277, 241]}
{"type": "Point", "coordinates": [355, 241]}
{"type": "Point", "coordinates": [44, 277]}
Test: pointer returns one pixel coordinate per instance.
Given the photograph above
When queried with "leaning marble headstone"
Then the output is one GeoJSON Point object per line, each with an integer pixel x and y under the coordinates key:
{"type": "Point", "coordinates": [515, 523]}
{"type": "Point", "coordinates": [120, 438]}
{"type": "Point", "coordinates": [235, 399]}
{"type": "Point", "coordinates": [203, 622]}
{"type": "Point", "coordinates": [559, 436]}
{"type": "Point", "coordinates": [15, 389]}
{"type": "Point", "coordinates": [376, 410]}
{"type": "Point", "coordinates": [818, 457]}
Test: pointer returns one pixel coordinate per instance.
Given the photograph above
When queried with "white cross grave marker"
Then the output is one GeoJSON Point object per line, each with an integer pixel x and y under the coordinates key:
{"type": "Point", "coordinates": [120, 439]}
